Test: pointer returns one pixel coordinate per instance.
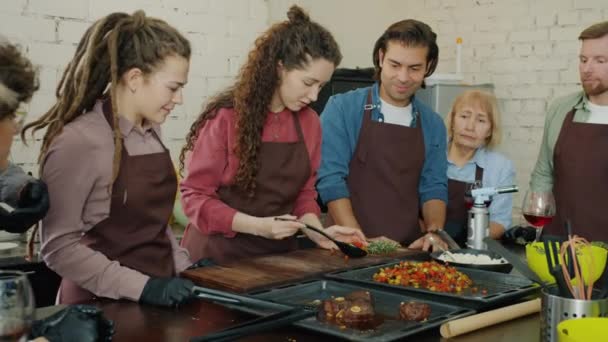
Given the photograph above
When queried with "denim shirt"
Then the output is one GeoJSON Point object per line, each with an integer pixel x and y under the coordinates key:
{"type": "Point", "coordinates": [341, 122]}
{"type": "Point", "coordinates": [498, 170]}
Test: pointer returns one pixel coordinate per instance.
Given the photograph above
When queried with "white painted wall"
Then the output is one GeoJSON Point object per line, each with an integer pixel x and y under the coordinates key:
{"type": "Point", "coordinates": [526, 48]}
{"type": "Point", "coordinates": [221, 33]}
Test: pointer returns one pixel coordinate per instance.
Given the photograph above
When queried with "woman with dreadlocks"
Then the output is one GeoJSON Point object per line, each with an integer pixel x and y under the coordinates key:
{"type": "Point", "coordinates": [253, 153]}
{"type": "Point", "coordinates": [110, 178]}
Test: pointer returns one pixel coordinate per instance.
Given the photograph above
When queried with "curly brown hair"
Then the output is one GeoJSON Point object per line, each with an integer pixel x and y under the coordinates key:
{"type": "Point", "coordinates": [294, 43]}
{"type": "Point", "coordinates": [113, 45]}
{"type": "Point", "coordinates": [18, 78]}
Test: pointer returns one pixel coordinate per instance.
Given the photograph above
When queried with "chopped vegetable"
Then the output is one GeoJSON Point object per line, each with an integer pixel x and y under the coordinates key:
{"type": "Point", "coordinates": [428, 275]}
{"type": "Point", "coordinates": [382, 247]}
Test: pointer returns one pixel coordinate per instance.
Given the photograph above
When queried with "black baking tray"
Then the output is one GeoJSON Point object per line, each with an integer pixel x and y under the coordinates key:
{"type": "Point", "coordinates": [386, 305]}
{"type": "Point", "coordinates": [500, 288]}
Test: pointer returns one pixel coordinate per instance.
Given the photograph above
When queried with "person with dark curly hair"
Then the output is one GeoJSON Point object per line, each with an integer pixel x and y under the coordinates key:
{"type": "Point", "coordinates": [111, 180]}
{"type": "Point", "coordinates": [24, 200]}
{"type": "Point", "coordinates": [384, 152]}
{"type": "Point", "coordinates": [252, 155]}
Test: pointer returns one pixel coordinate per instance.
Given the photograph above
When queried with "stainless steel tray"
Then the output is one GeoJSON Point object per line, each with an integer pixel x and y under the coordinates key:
{"type": "Point", "coordinates": [499, 287]}
{"type": "Point", "coordinates": [386, 305]}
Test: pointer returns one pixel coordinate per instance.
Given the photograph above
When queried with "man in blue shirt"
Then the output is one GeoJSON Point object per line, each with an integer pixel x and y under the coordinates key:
{"type": "Point", "coordinates": [383, 154]}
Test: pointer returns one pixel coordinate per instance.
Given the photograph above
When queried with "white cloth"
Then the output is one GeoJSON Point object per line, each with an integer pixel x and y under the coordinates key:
{"type": "Point", "coordinates": [396, 115]}
{"type": "Point", "coordinates": [599, 114]}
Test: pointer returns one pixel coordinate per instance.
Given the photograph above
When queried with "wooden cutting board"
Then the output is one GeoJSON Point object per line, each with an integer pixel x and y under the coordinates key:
{"type": "Point", "coordinates": [272, 270]}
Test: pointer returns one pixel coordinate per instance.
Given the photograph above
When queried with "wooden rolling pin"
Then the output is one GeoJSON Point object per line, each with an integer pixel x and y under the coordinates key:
{"type": "Point", "coordinates": [486, 319]}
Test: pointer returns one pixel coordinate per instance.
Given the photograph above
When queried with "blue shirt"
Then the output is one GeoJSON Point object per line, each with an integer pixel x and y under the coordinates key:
{"type": "Point", "coordinates": [497, 171]}
{"type": "Point", "coordinates": [341, 122]}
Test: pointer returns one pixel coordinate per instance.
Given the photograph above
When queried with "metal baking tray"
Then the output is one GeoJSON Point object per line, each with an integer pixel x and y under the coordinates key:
{"type": "Point", "coordinates": [500, 287]}
{"type": "Point", "coordinates": [386, 305]}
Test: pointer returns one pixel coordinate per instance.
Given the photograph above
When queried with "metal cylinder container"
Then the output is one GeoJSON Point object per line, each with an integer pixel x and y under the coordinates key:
{"type": "Point", "coordinates": [555, 309]}
{"type": "Point", "coordinates": [478, 226]}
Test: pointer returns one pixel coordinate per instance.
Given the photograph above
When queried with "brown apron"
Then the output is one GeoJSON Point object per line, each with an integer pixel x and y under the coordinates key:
{"type": "Point", "coordinates": [580, 180]}
{"type": "Point", "coordinates": [457, 212]}
{"type": "Point", "coordinates": [284, 168]}
{"type": "Point", "coordinates": [383, 178]}
{"type": "Point", "coordinates": [134, 233]}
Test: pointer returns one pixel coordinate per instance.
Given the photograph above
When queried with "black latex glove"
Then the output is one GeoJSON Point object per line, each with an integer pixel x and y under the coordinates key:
{"type": "Point", "coordinates": [204, 262]}
{"type": "Point", "coordinates": [33, 205]}
{"type": "Point", "coordinates": [521, 235]}
{"type": "Point", "coordinates": [78, 323]}
{"type": "Point", "coordinates": [166, 291]}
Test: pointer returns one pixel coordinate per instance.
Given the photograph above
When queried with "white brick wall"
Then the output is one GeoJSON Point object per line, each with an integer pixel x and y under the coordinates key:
{"type": "Point", "coordinates": [527, 48]}
{"type": "Point", "coordinates": [221, 33]}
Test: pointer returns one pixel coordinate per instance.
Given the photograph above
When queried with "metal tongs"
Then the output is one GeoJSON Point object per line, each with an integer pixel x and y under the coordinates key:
{"type": "Point", "coordinates": [265, 323]}
{"type": "Point", "coordinates": [436, 244]}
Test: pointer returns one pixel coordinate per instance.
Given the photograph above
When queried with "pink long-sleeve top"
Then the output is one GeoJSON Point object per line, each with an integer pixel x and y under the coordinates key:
{"type": "Point", "coordinates": [213, 164]}
{"type": "Point", "coordinates": [78, 172]}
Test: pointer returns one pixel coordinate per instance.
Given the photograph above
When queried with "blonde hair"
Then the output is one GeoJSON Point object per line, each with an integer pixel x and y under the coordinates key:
{"type": "Point", "coordinates": [484, 101]}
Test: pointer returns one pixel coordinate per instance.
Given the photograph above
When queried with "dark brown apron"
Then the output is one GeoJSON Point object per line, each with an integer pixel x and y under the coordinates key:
{"type": "Point", "coordinates": [383, 178]}
{"type": "Point", "coordinates": [283, 170]}
{"type": "Point", "coordinates": [457, 212]}
{"type": "Point", "coordinates": [134, 233]}
{"type": "Point", "coordinates": [580, 180]}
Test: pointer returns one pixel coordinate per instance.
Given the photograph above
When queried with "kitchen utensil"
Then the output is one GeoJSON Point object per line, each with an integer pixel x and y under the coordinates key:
{"type": "Point", "coordinates": [519, 265]}
{"type": "Point", "coordinates": [346, 248]}
{"type": "Point", "coordinates": [552, 256]}
{"type": "Point", "coordinates": [583, 330]}
{"type": "Point", "coordinates": [555, 309]}
{"type": "Point", "coordinates": [437, 245]}
{"type": "Point", "coordinates": [254, 274]}
{"type": "Point", "coordinates": [266, 323]}
{"type": "Point", "coordinates": [536, 260]}
{"type": "Point", "coordinates": [471, 323]}
{"type": "Point", "coordinates": [502, 267]}
{"type": "Point", "coordinates": [448, 239]}
{"type": "Point", "coordinates": [233, 299]}
{"type": "Point", "coordinates": [386, 306]}
{"type": "Point", "coordinates": [492, 289]}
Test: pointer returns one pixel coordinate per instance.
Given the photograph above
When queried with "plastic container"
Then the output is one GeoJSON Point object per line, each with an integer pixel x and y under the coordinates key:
{"type": "Point", "coordinates": [537, 261]}
{"type": "Point", "coordinates": [583, 330]}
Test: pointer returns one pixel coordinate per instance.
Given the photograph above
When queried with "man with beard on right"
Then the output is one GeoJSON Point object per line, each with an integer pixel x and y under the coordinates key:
{"type": "Point", "coordinates": [573, 158]}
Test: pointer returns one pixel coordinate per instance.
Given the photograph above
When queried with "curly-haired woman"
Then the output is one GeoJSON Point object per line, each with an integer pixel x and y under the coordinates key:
{"type": "Point", "coordinates": [253, 153]}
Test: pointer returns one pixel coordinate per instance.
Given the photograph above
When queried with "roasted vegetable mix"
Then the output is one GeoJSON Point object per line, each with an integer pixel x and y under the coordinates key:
{"type": "Point", "coordinates": [428, 275]}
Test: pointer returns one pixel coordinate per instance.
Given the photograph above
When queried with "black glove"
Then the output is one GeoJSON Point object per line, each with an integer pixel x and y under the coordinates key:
{"type": "Point", "coordinates": [78, 323]}
{"type": "Point", "coordinates": [32, 206]}
{"type": "Point", "coordinates": [166, 291]}
{"type": "Point", "coordinates": [521, 235]}
{"type": "Point", "coordinates": [204, 262]}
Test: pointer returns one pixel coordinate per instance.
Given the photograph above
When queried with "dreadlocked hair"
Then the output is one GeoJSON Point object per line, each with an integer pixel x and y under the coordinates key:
{"type": "Point", "coordinates": [109, 48]}
{"type": "Point", "coordinates": [294, 43]}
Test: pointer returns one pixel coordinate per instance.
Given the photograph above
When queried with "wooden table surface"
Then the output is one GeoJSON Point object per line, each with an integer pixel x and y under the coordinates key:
{"type": "Point", "coordinates": [136, 322]}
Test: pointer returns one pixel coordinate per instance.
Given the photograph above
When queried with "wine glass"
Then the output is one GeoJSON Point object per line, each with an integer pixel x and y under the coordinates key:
{"type": "Point", "coordinates": [538, 209]}
{"type": "Point", "coordinates": [16, 306]}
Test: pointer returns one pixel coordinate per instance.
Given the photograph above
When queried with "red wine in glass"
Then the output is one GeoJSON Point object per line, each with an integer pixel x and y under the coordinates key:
{"type": "Point", "coordinates": [538, 221]}
{"type": "Point", "coordinates": [538, 209]}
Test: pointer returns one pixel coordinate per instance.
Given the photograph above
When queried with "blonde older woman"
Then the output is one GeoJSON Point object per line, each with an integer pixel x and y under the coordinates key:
{"type": "Point", "coordinates": [474, 131]}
